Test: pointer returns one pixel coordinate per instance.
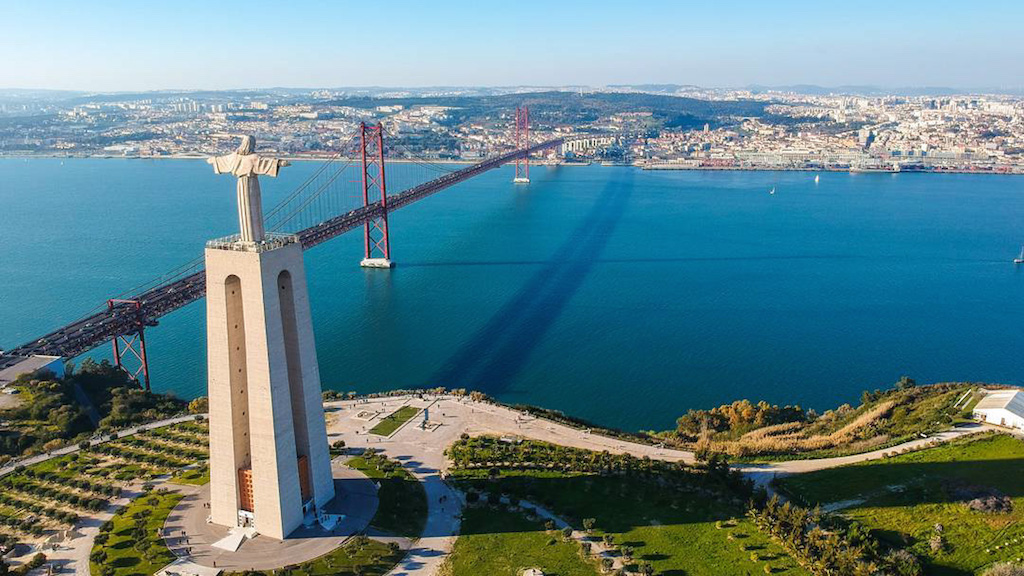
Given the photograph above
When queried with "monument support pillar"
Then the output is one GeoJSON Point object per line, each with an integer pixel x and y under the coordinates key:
{"type": "Point", "coordinates": [269, 459]}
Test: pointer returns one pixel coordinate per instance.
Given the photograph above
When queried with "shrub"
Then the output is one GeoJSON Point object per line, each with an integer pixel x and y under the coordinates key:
{"type": "Point", "coordinates": [1005, 569]}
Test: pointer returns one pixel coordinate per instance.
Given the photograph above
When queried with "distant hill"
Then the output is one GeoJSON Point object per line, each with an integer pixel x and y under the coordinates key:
{"type": "Point", "coordinates": [867, 90]}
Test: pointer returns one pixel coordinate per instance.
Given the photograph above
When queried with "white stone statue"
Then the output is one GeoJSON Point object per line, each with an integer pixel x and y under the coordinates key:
{"type": "Point", "coordinates": [246, 165]}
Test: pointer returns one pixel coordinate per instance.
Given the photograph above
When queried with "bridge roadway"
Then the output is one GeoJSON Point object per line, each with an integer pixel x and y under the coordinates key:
{"type": "Point", "coordinates": [87, 333]}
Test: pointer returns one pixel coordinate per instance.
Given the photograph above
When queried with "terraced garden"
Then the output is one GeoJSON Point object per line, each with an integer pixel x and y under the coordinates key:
{"type": "Point", "coordinates": [51, 496]}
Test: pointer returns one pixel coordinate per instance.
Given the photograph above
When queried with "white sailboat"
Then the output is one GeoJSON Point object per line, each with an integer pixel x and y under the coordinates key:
{"type": "Point", "coordinates": [772, 191]}
{"type": "Point", "coordinates": [1019, 259]}
{"type": "Point", "coordinates": [816, 178]}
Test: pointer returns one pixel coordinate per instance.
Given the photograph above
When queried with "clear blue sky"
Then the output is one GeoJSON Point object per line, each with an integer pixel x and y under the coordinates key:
{"type": "Point", "coordinates": [137, 45]}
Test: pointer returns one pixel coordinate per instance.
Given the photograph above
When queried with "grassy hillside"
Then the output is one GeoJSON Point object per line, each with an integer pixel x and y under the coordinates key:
{"type": "Point", "coordinates": [959, 506]}
{"type": "Point", "coordinates": [679, 520]}
{"type": "Point", "coordinates": [766, 432]}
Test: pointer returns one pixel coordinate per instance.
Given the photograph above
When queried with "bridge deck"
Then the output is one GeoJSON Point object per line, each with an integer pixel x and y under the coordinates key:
{"type": "Point", "coordinates": [87, 333]}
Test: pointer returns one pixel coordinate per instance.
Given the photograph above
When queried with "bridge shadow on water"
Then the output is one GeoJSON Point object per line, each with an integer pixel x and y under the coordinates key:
{"type": "Point", "coordinates": [494, 356]}
{"type": "Point", "coordinates": [637, 260]}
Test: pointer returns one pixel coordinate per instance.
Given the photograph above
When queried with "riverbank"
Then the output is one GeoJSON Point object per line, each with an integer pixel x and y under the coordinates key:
{"type": "Point", "coordinates": [668, 166]}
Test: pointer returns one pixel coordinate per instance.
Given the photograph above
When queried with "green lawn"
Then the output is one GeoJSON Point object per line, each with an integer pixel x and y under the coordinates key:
{"type": "Point", "coordinates": [403, 502]}
{"type": "Point", "coordinates": [359, 557]}
{"type": "Point", "coordinates": [194, 476]}
{"type": "Point", "coordinates": [903, 497]}
{"type": "Point", "coordinates": [122, 549]}
{"type": "Point", "coordinates": [391, 422]}
{"type": "Point", "coordinates": [501, 543]}
{"type": "Point", "coordinates": [673, 527]}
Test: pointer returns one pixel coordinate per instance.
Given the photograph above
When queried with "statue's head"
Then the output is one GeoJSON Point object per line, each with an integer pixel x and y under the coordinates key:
{"type": "Point", "coordinates": [247, 146]}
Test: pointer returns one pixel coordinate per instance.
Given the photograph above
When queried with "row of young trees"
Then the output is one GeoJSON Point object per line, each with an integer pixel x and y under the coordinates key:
{"type": "Point", "coordinates": [181, 436]}
{"type": "Point", "coordinates": [827, 545]}
{"type": "Point", "coordinates": [165, 447]}
{"type": "Point", "coordinates": [62, 516]}
{"type": "Point", "coordinates": [79, 482]}
{"type": "Point", "coordinates": [489, 450]}
{"type": "Point", "coordinates": [138, 455]}
{"type": "Point", "coordinates": [46, 492]}
{"type": "Point", "coordinates": [495, 453]}
{"type": "Point", "coordinates": [29, 526]}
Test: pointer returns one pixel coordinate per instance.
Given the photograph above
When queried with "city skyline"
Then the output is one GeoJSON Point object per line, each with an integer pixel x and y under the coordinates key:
{"type": "Point", "coordinates": [125, 47]}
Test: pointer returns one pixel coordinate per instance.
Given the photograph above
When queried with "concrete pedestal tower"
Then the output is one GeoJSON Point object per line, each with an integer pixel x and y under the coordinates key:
{"type": "Point", "coordinates": [269, 459]}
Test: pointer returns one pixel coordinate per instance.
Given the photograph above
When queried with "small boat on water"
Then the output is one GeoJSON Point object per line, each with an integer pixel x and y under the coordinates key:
{"type": "Point", "coordinates": [816, 178]}
{"type": "Point", "coordinates": [772, 191]}
{"type": "Point", "coordinates": [1019, 259]}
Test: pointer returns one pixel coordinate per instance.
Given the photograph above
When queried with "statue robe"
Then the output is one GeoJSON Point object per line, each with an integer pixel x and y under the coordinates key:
{"type": "Point", "coordinates": [246, 167]}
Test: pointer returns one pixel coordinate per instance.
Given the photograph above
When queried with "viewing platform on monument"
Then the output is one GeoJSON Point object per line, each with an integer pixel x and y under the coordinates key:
{"type": "Point", "coordinates": [271, 241]}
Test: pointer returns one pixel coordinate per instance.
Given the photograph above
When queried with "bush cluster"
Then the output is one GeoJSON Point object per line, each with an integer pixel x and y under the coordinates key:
{"type": "Point", "coordinates": [829, 545]}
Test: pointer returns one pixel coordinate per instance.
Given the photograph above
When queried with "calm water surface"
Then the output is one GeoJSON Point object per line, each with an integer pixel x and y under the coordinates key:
{"type": "Point", "coordinates": [614, 294]}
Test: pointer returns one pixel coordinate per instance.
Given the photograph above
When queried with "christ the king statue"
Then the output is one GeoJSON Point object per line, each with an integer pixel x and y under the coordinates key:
{"type": "Point", "coordinates": [246, 165]}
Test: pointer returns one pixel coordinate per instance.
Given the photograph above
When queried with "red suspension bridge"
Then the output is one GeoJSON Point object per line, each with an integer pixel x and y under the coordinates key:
{"type": "Point", "coordinates": [321, 208]}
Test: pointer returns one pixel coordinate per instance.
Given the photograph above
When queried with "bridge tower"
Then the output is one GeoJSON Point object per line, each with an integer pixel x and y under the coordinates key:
{"type": "Point", "coordinates": [522, 136]}
{"type": "Point", "coordinates": [132, 343]}
{"type": "Point", "coordinates": [375, 230]}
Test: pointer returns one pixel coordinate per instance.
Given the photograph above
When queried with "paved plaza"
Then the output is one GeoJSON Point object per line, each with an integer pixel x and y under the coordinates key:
{"type": "Point", "coordinates": [189, 535]}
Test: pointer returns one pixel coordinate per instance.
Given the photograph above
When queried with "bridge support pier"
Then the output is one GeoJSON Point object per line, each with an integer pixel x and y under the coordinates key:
{"type": "Point", "coordinates": [522, 135]}
{"type": "Point", "coordinates": [377, 240]}
{"type": "Point", "coordinates": [132, 344]}
{"type": "Point", "coordinates": [376, 263]}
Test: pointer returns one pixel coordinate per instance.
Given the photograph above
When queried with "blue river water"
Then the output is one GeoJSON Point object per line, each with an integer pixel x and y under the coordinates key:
{"type": "Point", "coordinates": [618, 295]}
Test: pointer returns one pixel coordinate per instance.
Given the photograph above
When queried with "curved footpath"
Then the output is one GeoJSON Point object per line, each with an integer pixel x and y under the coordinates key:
{"type": "Point", "coordinates": [420, 449]}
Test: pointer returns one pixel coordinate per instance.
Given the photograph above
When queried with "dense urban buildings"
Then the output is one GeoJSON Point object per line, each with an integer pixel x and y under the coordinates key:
{"type": "Point", "coordinates": [661, 127]}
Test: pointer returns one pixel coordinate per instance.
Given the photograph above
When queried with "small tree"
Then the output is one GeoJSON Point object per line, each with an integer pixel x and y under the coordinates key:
{"type": "Point", "coordinates": [905, 382]}
{"type": "Point", "coordinates": [567, 532]}
{"type": "Point", "coordinates": [588, 524]}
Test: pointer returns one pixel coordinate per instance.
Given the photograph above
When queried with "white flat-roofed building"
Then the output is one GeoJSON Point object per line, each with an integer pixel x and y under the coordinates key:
{"type": "Point", "coordinates": [34, 365]}
{"type": "Point", "coordinates": [1002, 408]}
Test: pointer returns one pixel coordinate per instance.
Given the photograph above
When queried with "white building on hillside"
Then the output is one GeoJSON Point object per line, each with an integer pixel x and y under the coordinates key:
{"type": "Point", "coordinates": [1003, 408]}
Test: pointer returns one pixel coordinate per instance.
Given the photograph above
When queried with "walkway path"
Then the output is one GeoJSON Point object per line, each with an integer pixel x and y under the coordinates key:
{"type": "Point", "coordinates": [763, 474]}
